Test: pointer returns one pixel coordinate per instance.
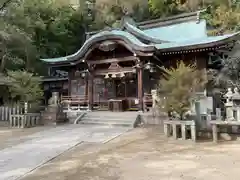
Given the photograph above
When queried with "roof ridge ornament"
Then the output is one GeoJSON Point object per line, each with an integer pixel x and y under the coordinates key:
{"type": "Point", "coordinates": [199, 15]}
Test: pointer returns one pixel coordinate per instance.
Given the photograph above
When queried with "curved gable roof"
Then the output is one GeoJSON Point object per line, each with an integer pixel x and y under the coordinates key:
{"type": "Point", "coordinates": [128, 38]}
{"type": "Point", "coordinates": [142, 35]}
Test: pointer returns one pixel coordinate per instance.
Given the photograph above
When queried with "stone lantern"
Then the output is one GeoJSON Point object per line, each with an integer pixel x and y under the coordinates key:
{"type": "Point", "coordinates": [236, 104]}
{"type": "Point", "coordinates": [229, 105]}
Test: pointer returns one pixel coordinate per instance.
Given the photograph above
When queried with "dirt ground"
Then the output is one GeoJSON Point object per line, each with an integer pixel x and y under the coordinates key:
{"type": "Point", "coordinates": [11, 136]}
{"type": "Point", "coordinates": [144, 154]}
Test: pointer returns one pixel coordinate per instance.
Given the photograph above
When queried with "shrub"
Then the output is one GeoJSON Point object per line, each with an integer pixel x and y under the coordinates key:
{"type": "Point", "coordinates": [25, 87]}
{"type": "Point", "coordinates": [180, 87]}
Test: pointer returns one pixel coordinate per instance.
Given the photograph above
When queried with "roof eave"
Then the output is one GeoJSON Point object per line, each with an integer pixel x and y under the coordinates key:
{"type": "Point", "coordinates": [88, 44]}
{"type": "Point", "coordinates": [205, 45]}
{"type": "Point", "coordinates": [142, 35]}
{"type": "Point", "coordinates": [134, 46]}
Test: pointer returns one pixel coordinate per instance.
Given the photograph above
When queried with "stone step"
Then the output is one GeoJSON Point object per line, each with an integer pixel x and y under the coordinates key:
{"type": "Point", "coordinates": [110, 118]}
{"type": "Point", "coordinates": [108, 113]}
{"type": "Point", "coordinates": [107, 120]}
{"type": "Point", "coordinates": [110, 123]}
{"type": "Point", "coordinates": [122, 116]}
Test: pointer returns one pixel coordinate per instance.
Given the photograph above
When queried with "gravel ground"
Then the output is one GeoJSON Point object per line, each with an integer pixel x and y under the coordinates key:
{"type": "Point", "coordinates": [10, 137]}
{"type": "Point", "coordinates": [144, 154]}
{"type": "Point", "coordinates": [41, 147]}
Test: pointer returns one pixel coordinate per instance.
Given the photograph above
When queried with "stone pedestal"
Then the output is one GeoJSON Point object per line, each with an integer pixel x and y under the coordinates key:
{"type": "Point", "coordinates": [184, 126]}
{"type": "Point", "coordinates": [54, 113]}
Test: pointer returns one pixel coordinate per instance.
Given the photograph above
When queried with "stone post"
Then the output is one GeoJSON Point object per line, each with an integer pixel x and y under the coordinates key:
{"type": "Point", "coordinates": [218, 114]}
{"type": "Point", "coordinates": [198, 116]}
{"type": "Point", "coordinates": [154, 102]}
{"type": "Point", "coordinates": [236, 106]}
{"type": "Point", "coordinates": [25, 108]}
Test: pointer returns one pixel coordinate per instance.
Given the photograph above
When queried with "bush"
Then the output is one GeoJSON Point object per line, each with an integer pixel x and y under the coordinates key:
{"type": "Point", "coordinates": [180, 87]}
{"type": "Point", "coordinates": [25, 87]}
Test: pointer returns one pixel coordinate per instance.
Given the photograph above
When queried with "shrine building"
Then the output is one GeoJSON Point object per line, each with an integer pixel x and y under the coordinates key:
{"type": "Point", "coordinates": [116, 69]}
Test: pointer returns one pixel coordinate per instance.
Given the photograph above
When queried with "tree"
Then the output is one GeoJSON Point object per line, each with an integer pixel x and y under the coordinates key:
{"type": "Point", "coordinates": [15, 47]}
{"type": "Point", "coordinates": [47, 29]}
{"type": "Point", "coordinates": [222, 16]}
{"type": "Point", "coordinates": [24, 86]}
{"type": "Point", "coordinates": [4, 4]}
{"type": "Point", "coordinates": [163, 8]}
{"type": "Point", "coordinates": [180, 87]}
{"type": "Point", "coordinates": [228, 75]}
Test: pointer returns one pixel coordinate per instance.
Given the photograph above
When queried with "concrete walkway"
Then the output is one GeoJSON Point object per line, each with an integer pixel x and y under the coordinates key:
{"type": "Point", "coordinates": [17, 161]}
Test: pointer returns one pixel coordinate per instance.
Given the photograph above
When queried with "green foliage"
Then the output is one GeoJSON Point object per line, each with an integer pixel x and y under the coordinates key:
{"type": "Point", "coordinates": [141, 13]}
{"type": "Point", "coordinates": [222, 16]}
{"type": "Point", "coordinates": [228, 75]}
{"type": "Point", "coordinates": [180, 87]}
{"type": "Point", "coordinates": [163, 8]}
{"type": "Point", "coordinates": [15, 46]}
{"type": "Point", "coordinates": [46, 29]}
{"type": "Point", "coordinates": [25, 86]}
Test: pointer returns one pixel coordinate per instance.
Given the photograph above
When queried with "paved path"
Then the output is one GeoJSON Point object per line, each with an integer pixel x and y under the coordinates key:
{"type": "Point", "coordinates": [17, 161]}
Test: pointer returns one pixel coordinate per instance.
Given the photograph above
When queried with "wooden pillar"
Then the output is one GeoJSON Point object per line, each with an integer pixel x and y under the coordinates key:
{"type": "Point", "coordinates": [114, 88]}
{"type": "Point", "coordinates": [86, 90]}
{"type": "Point", "coordinates": [70, 78]}
{"type": "Point", "coordinates": [140, 88]}
{"type": "Point", "coordinates": [90, 91]}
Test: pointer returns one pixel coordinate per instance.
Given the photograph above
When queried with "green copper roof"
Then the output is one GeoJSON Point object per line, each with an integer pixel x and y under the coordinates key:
{"type": "Point", "coordinates": [141, 34]}
{"type": "Point", "coordinates": [198, 41]}
{"type": "Point", "coordinates": [179, 32]}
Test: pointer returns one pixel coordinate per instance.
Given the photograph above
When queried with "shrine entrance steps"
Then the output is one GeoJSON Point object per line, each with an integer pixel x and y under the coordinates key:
{"type": "Point", "coordinates": [127, 119]}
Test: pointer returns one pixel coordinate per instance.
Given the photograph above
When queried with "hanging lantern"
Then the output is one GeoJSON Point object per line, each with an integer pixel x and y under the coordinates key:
{"type": "Point", "coordinates": [152, 70]}
{"type": "Point", "coordinates": [77, 73]}
{"type": "Point", "coordinates": [148, 66]}
{"type": "Point", "coordinates": [134, 70]}
{"type": "Point", "coordinates": [114, 76]}
{"type": "Point", "coordinates": [122, 74]}
{"type": "Point", "coordinates": [83, 74]}
{"type": "Point", "coordinates": [106, 76]}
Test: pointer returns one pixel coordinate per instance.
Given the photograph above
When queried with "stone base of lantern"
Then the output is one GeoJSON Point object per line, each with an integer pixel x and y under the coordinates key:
{"type": "Point", "coordinates": [53, 115]}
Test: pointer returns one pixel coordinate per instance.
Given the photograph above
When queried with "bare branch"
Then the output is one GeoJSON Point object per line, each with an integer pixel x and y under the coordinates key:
{"type": "Point", "coordinates": [4, 5]}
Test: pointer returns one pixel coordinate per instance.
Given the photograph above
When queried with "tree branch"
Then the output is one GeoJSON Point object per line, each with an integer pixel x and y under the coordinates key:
{"type": "Point", "coordinates": [4, 5]}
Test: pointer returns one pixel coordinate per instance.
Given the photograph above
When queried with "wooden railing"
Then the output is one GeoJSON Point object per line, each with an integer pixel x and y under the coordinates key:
{"type": "Point", "coordinates": [24, 120]}
{"type": "Point", "coordinates": [76, 99]}
{"type": "Point", "coordinates": [102, 103]}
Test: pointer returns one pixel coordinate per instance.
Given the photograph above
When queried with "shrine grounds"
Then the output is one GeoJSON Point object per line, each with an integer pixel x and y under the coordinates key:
{"type": "Point", "coordinates": [144, 154]}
